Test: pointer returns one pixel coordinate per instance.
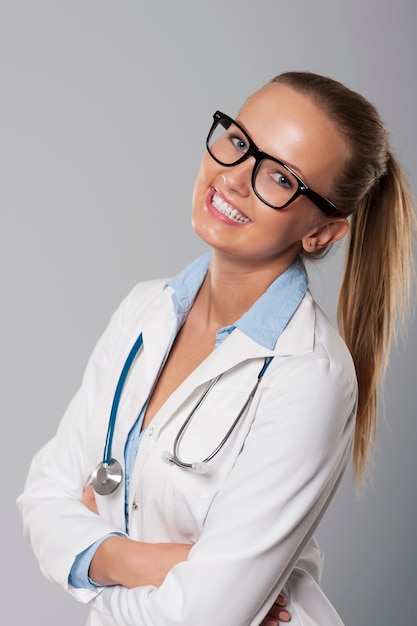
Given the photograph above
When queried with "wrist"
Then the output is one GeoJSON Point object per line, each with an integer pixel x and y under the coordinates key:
{"type": "Point", "coordinates": [104, 566]}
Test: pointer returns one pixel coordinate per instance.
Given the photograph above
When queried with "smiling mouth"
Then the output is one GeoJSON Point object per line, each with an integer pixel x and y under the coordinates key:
{"type": "Point", "coordinates": [225, 209]}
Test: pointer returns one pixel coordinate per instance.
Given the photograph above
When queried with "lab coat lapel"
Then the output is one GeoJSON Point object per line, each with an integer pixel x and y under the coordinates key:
{"type": "Point", "coordinates": [237, 348]}
{"type": "Point", "coordinates": [157, 327]}
{"type": "Point", "coordinates": [158, 331]}
{"type": "Point", "coordinates": [297, 338]}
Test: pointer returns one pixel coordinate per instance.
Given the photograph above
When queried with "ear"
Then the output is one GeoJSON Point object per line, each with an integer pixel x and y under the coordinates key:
{"type": "Point", "coordinates": [325, 234]}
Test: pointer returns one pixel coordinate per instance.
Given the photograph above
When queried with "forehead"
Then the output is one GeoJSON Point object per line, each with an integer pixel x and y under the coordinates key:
{"type": "Point", "coordinates": [291, 127]}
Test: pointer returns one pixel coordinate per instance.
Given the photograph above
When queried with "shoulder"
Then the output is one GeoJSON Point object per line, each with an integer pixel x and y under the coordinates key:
{"type": "Point", "coordinates": [329, 346]}
{"type": "Point", "coordinates": [313, 364]}
{"type": "Point", "coordinates": [145, 291]}
{"type": "Point", "coordinates": [146, 300]}
{"type": "Point", "coordinates": [142, 296]}
{"type": "Point", "coordinates": [311, 334]}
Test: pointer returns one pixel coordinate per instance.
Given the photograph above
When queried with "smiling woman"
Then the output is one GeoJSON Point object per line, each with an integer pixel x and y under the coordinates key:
{"type": "Point", "coordinates": [239, 183]}
{"type": "Point", "coordinates": [233, 364]}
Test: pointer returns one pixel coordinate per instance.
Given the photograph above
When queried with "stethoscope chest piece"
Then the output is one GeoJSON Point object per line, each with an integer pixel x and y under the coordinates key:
{"type": "Point", "coordinates": [107, 477]}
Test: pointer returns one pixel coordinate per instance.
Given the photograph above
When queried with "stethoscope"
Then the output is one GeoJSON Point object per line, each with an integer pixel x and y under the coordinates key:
{"type": "Point", "coordinates": [108, 474]}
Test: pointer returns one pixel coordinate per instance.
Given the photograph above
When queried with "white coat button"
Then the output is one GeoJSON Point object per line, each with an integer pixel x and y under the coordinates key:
{"type": "Point", "coordinates": [150, 432]}
{"type": "Point", "coordinates": [135, 505]}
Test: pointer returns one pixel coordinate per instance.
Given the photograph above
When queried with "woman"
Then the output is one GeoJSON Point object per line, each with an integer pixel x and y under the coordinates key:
{"type": "Point", "coordinates": [276, 186]}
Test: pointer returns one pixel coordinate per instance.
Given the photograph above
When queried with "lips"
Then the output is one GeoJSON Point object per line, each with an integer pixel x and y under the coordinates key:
{"type": "Point", "coordinates": [230, 212]}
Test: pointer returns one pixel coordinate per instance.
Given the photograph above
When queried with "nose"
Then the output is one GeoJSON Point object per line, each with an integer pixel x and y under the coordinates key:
{"type": "Point", "coordinates": [238, 178]}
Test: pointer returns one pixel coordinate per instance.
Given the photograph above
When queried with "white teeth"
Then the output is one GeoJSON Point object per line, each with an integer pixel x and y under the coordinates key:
{"type": "Point", "coordinates": [227, 210]}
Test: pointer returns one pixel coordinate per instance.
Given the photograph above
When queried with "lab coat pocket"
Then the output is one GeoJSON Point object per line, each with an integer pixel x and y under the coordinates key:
{"type": "Point", "coordinates": [178, 499]}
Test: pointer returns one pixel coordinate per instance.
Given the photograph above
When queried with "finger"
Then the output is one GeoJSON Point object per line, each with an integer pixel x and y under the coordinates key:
{"type": "Point", "coordinates": [89, 500]}
{"type": "Point", "coordinates": [272, 619]}
{"type": "Point", "coordinates": [88, 490]}
{"type": "Point", "coordinates": [284, 615]}
{"type": "Point", "coordinates": [281, 615]}
{"type": "Point", "coordinates": [278, 613]}
{"type": "Point", "coordinates": [281, 600]}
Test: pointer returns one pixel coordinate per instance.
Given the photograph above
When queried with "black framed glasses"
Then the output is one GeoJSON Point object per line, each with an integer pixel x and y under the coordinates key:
{"type": "Point", "coordinates": [274, 182]}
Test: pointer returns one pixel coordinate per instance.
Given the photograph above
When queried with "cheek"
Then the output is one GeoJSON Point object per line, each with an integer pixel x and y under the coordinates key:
{"type": "Point", "coordinates": [293, 223]}
{"type": "Point", "coordinates": [204, 178]}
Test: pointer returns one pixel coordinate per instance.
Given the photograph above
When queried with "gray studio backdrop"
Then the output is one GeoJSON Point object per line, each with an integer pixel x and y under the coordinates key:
{"type": "Point", "coordinates": [104, 110]}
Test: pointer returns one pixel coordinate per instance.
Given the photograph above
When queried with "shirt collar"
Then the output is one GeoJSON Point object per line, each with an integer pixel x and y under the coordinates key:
{"type": "Point", "coordinates": [267, 317]}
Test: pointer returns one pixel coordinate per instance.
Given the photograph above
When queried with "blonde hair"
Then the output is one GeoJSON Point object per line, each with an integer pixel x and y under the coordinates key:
{"type": "Point", "coordinates": [375, 288]}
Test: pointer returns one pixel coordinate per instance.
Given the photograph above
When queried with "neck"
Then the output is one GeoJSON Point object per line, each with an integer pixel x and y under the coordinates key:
{"type": "Point", "coordinates": [231, 288]}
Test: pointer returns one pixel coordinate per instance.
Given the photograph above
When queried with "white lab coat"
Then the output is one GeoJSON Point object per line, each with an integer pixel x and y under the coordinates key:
{"type": "Point", "coordinates": [250, 517]}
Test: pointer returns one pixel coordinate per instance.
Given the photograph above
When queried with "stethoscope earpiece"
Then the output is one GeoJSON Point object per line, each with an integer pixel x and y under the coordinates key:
{"type": "Point", "coordinates": [200, 467]}
{"type": "Point", "coordinates": [107, 477]}
{"type": "Point", "coordinates": [167, 457]}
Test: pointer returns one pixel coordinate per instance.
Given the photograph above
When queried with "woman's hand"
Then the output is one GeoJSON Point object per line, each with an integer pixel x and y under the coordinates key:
{"type": "Point", "coordinates": [88, 499]}
{"type": "Point", "coordinates": [277, 613]}
{"type": "Point", "coordinates": [122, 561]}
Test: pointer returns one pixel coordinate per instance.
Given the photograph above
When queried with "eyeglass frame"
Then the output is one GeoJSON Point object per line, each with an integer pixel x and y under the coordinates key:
{"type": "Point", "coordinates": [324, 204]}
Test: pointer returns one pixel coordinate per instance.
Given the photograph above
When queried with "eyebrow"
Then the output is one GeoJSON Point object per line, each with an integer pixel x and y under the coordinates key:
{"type": "Point", "coordinates": [290, 165]}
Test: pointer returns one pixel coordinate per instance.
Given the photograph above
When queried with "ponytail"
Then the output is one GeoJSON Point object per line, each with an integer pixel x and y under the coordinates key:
{"type": "Point", "coordinates": [374, 295]}
{"type": "Point", "coordinates": [373, 193]}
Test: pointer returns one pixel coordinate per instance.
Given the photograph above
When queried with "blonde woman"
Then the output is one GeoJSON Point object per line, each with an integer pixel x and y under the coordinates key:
{"type": "Point", "coordinates": [236, 413]}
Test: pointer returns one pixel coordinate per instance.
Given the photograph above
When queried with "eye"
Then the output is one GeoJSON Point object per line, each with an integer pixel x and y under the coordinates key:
{"type": "Point", "coordinates": [239, 142]}
{"type": "Point", "coordinates": [282, 180]}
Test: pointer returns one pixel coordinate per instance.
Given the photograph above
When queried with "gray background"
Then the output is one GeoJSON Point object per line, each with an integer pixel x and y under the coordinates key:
{"type": "Point", "coordinates": [104, 111]}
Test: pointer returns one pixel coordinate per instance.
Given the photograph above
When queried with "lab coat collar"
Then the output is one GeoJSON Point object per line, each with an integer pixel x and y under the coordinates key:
{"type": "Point", "coordinates": [268, 316]}
{"type": "Point", "coordinates": [160, 326]}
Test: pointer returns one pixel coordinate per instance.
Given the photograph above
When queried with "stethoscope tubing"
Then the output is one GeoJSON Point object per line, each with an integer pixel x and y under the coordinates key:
{"type": "Point", "coordinates": [116, 400]}
{"type": "Point", "coordinates": [174, 457]}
